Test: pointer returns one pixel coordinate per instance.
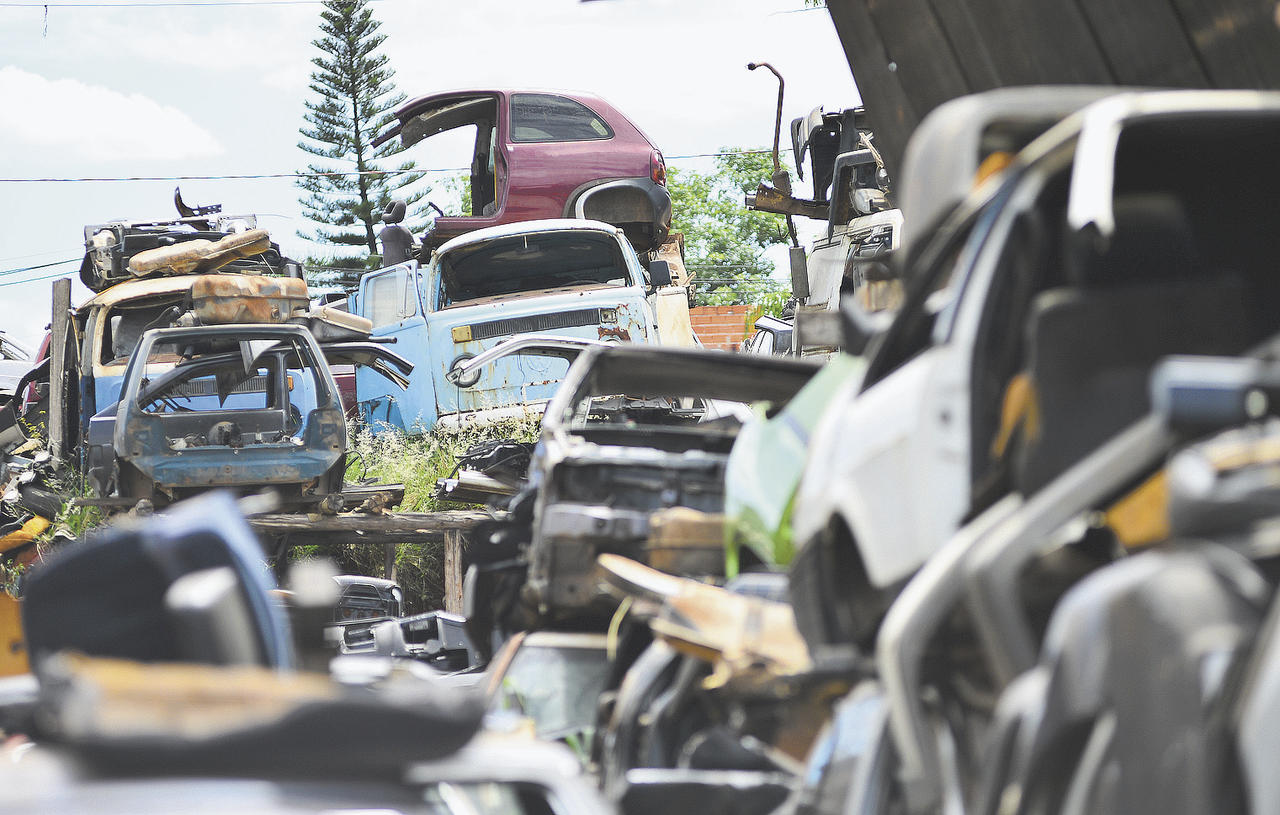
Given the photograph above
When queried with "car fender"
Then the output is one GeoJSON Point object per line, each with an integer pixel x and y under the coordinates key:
{"type": "Point", "coordinates": [867, 469]}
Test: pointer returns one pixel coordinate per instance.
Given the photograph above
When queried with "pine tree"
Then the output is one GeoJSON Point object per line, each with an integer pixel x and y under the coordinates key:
{"type": "Point", "coordinates": [356, 95]}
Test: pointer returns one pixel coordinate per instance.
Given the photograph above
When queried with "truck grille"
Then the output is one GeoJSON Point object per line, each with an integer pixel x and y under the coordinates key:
{"type": "Point", "coordinates": [535, 322]}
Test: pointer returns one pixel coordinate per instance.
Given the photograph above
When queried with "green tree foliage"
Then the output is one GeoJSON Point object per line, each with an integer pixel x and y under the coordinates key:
{"type": "Point", "coordinates": [725, 242]}
{"type": "Point", "coordinates": [337, 272]}
{"type": "Point", "coordinates": [354, 99]}
{"type": "Point", "coordinates": [459, 188]}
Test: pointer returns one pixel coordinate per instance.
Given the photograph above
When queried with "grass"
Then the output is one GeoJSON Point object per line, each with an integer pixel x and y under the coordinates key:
{"type": "Point", "coordinates": [70, 523]}
{"type": "Point", "coordinates": [417, 462]}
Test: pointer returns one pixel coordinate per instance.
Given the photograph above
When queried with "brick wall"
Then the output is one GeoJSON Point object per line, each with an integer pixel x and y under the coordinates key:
{"type": "Point", "coordinates": [723, 327]}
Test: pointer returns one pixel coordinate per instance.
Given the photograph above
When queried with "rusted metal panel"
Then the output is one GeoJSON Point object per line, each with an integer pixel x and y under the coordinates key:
{"type": "Point", "coordinates": [199, 255]}
{"type": "Point", "coordinates": [686, 541]}
{"type": "Point", "coordinates": [230, 299]}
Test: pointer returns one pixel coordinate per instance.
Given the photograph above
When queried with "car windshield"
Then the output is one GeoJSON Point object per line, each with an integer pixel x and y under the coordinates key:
{"type": "Point", "coordinates": [532, 263]}
{"type": "Point", "coordinates": [556, 687]}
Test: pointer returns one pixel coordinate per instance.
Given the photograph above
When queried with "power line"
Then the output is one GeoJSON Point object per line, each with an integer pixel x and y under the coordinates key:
{"type": "Point", "coordinates": [34, 279]}
{"type": "Point", "coordinates": [252, 176]}
{"type": "Point", "coordinates": [170, 4]}
{"type": "Point", "coordinates": [41, 266]}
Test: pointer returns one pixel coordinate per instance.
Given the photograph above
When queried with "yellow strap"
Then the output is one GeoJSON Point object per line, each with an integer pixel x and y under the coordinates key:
{"type": "Point", "coordinates": [1019, 410]}
{"type": "Point", "coordinates": [1142, 517]}
{"type": "Point", "coordinates": [13, 655]}
{"type": "Point", "coordinates": [992, 164]}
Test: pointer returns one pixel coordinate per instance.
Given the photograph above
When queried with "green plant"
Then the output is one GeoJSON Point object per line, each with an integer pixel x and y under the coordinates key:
{"type": "Point", "coordinates": [417, 462]}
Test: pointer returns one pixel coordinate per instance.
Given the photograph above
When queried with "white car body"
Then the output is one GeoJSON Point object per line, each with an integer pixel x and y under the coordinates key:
{"type": "Point", "coordinates": [891, 463]}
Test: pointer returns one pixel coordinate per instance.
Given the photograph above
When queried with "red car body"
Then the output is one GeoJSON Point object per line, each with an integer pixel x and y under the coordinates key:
{"type": "Point", "coordinates": [545, 154]}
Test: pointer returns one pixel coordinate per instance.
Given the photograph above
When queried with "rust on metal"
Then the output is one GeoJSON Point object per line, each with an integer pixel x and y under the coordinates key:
{"type": "Point", "coordinates": [200, 255]}
{"type": "Point", "coordinates": [219, 299]}
{"type": "Point", "coordinates": [615, 333]}
{"type": "Point", "coordinates": [768, 199]}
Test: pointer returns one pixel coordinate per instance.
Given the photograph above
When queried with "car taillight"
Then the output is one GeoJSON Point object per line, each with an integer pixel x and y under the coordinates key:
{"type": "Point", "coordinates": [657, 168]}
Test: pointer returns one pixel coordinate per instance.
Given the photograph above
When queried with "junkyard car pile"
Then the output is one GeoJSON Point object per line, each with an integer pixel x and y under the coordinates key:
{"type": "Point", "coordinates": [1027, 565]}
{"type": "Point", "coordinates": [1013, 550]}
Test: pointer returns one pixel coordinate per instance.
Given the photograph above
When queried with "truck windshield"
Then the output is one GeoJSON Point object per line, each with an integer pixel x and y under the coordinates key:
{"type": "Point", "coordinates": [532, 263]}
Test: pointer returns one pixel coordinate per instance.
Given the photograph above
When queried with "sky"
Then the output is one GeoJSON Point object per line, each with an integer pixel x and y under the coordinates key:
{"type": "Point", "coordinates": [120, 90]}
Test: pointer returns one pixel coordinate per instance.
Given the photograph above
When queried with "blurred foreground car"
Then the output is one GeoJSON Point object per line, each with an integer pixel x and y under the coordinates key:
{"type": "Point", "coordinates": [1034, 313]}
{"type": "Point", "coordinates": [554, 678]}
{"type": "Point", "coordinates": [631, 461]}
{"type": "Point", "coordinates": [165, 680]}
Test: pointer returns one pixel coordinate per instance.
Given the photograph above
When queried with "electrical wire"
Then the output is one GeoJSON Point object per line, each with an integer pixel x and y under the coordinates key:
{"type": "Point", "coordinates": [34, 279]}
{"type": "Point", "coordinates": [169, 4]}
{"type": "Point", "coordinates": [252, 176]}
{"type": "Point", "coordinates": [41, 266]}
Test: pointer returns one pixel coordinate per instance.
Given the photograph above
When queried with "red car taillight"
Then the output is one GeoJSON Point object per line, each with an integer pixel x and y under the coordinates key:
{"type": "Point", "coordinates": [657, 168]}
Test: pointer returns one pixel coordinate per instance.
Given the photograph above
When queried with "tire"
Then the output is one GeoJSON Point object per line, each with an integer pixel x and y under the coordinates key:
{"type": "Point", "coordinates": [835, 604]}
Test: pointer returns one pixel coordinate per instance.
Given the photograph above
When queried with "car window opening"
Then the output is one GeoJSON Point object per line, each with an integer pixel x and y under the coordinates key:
{"type": "Point", "coordinates": [532, 263]}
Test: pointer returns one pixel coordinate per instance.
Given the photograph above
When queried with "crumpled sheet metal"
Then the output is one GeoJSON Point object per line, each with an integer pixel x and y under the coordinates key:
{"type": "Point", "coordinates": [200, 255]}
{"type": "Point", "coordinates": [752, 642]}
{"type": "Point", "coordinates": [228, 299]}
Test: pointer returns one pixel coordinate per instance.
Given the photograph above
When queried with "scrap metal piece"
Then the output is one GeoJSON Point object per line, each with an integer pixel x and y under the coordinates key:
{"type": "Point", "coordinates": [686, 541]}
{"type": "Point", "coordinates": [751, 641]}
{"type": "Point", "coordinates": [200, 255]}
{"type": "Point", "coordinates": [219, 299]}
{"type": "Point", "coordinates": [769, 199]}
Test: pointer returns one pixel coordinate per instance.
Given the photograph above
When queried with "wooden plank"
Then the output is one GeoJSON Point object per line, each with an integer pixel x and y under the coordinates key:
{"type": "Point", "coordinates": [58, 373]}
{"type": "Point", "coordinates": [407, 527]}
{"type": "Point", "coordinates": [454, 544]}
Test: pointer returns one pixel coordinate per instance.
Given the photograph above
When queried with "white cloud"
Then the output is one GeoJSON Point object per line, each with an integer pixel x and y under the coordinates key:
{"type": "Point", "coordinates": [76, 120]}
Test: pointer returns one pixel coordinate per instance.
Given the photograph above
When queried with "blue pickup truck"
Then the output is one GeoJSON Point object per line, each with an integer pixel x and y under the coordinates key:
{"type": "Point", "coordinates": [575, 278]}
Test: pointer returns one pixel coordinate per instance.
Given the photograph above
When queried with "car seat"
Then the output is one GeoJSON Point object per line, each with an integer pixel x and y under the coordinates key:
{"type": "Point", "coordinates": [1091, 345]}
{"type": "Point", "coordinates": [185, 586]}
{"type": "Point", "coordinates": [1125, 710]}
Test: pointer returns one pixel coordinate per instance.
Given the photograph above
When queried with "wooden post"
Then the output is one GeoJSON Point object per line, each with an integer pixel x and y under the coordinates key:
{"type": "Point", "coordinates": [453, 573]}
{"type": "Point", "coordinates": [58, 366]}
{"type": "Point", "coordinates": [389, 561]}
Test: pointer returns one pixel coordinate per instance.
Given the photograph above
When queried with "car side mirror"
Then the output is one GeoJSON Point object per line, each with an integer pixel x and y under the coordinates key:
{"type": "Point", "coordinates": [659, 274]}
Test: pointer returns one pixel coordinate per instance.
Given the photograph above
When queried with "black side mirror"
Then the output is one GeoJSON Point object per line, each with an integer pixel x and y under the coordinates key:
{"type": "Point", "coordinates": [659, 273]}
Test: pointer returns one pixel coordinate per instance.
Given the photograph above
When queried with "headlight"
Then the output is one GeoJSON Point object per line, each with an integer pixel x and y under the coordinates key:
{"type": "Point", "coordinates": [463, 380]}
